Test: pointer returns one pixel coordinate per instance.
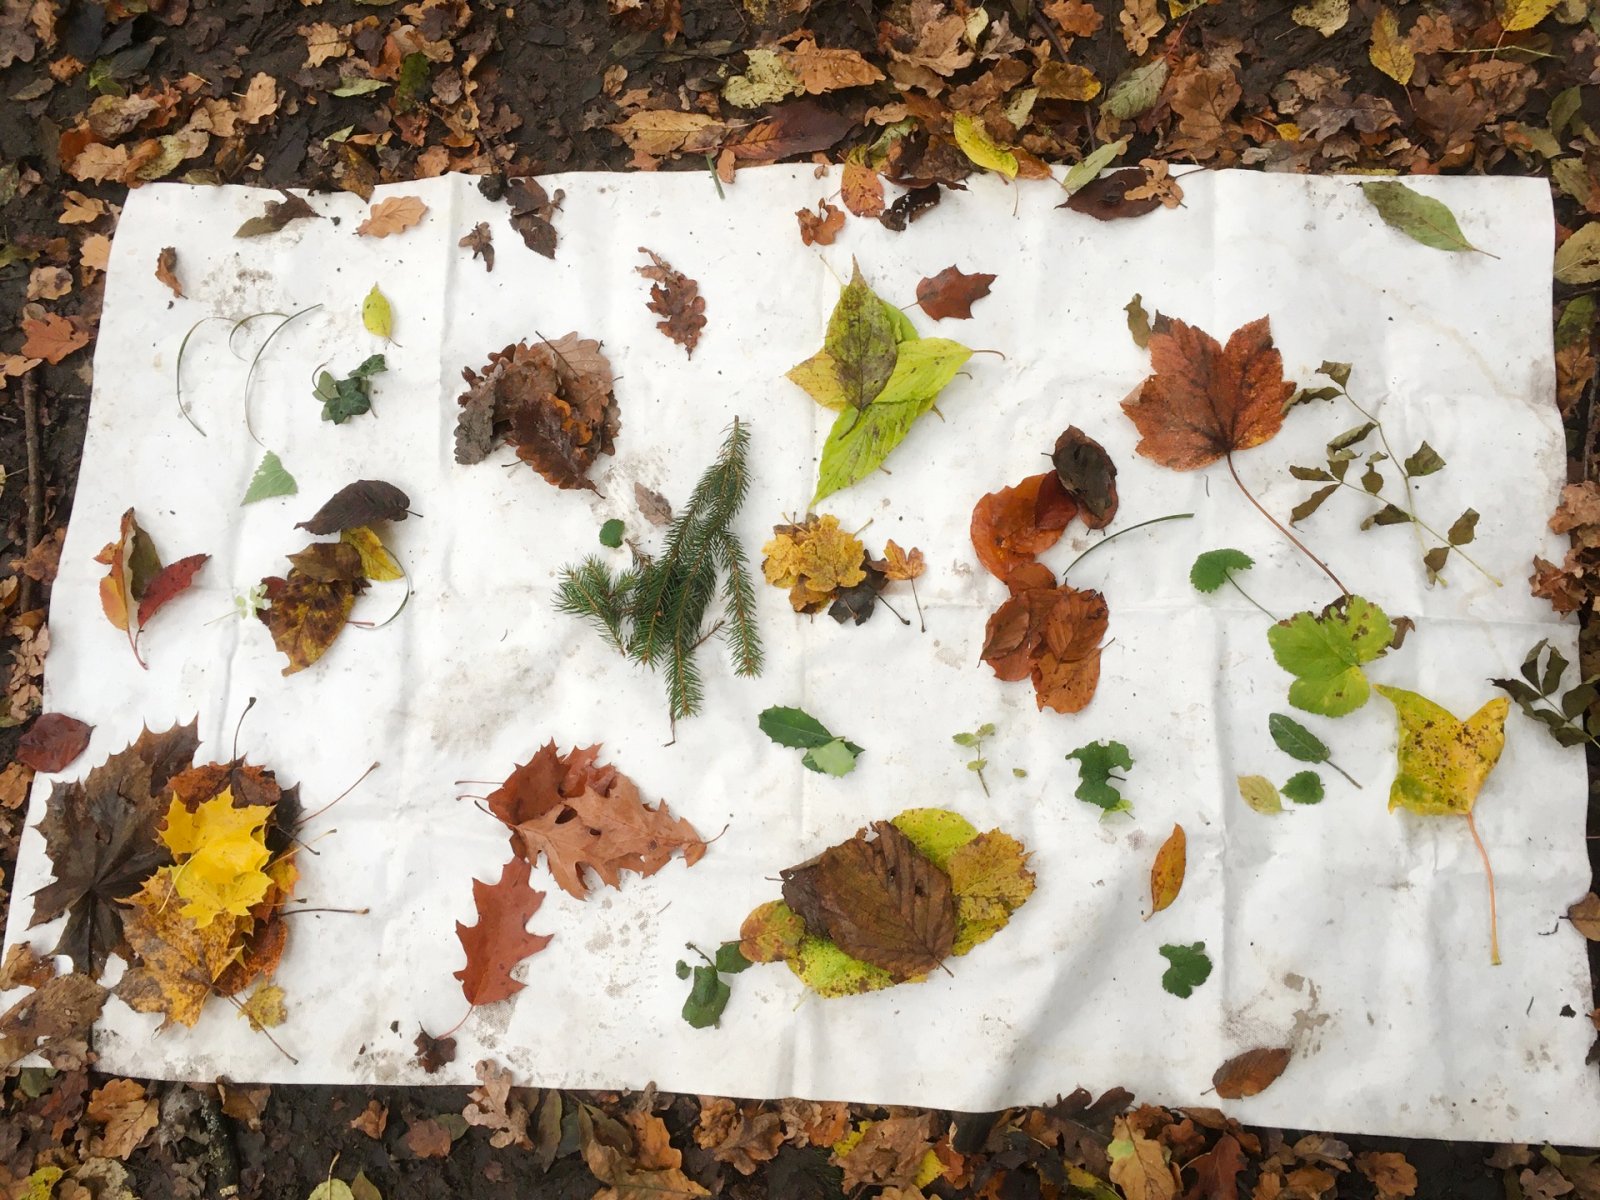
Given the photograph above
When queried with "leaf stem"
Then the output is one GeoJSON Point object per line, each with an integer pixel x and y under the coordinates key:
{"type": "Point", "coordinates": [1234, 583]}
{"type": "Point", "coordinates": [1443, 540]}
{"type": "Point", "coordinates": [1405, 476]}
{"type": "Point", "coordinates": [1114, 536]}
{"type": "Point", "coordinates": [1283, 529]}
{"type": "Point", "coordinates": [1343, 772]}
{"type": "Point", "coordinates": [1494, 924]}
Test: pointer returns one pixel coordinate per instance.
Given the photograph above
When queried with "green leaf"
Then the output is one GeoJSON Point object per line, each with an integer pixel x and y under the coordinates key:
{"type": "Point", "coordinates": [1424, 462]}
{"type": "Point", "coordinates": [1304, 787]}
{"type": "Point", "coordinates": [1295, 740]}
{"type": "Point", "coordinates": [331, 1189]}
{"type": "Point", "coordinates": [1087, 171]}
{"type": "Point", "coordinates": [861, 341]}
{"type": "Point", "coordinates": [983, 150]}
{"type": "Point", "coordinates": [682, 969]}
{"type": "Point", "coordinates": [1311, 503]}
{"type": "Point", "coordinates": [1464, 530]}
{"type": "Point", "coordinates": [794, 727]}
{"type": "Point", "coordinates": [1212, 568]}
{"type": "Point", "coordinates": [1190, 968]}
{"type": "Point", "coordinates": [1260, 793]}
{"type": "Point", "coordinates": [271, 479]}
{"type": "Point", "coordinates": [358, 87]}
{"type": "Point", "coordinates": [729, 960]}
{"type": "Point", "coordinates": [1421, 218]}
{"type": "Point", "coordinates": [1096, 761]}
{"type": "Point", "coordinates": [835, 757]}
{"type": "Point", "coordinates": [1325, 655]}
{"type": "Point", "coordinates": [966, 739]}
{"type": "Point", "coordinates": [350, 396]}
{"type": "Point", "coordinates": [1135, 92]}
{"type": "Point", "coordinates": [707, 998]}
{"type": "Point", "coordinates": [1577, 321]}
{"type": "Point", "coordinates": [376, 314]}
{"type": "Point", "coordinates": [1578, 258]}
{"type": "Point", "coordinates": [611, 533]}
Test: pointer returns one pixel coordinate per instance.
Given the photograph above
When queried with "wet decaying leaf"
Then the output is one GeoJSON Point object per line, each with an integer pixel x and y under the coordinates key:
{"type": "Point", "coordinates": [676, 299]}
{"type": "Point", "coordinates": [551, 401]}
{"type": "Point", "coordinates": [1107, 199]}
{"type": "Point", "coordinates": [307, 610]}
{"type": "Point", "coordinates": [52, 1020]}
{"type": "Point", "coordinates": [434, 1053]}
{"type": "Point", "coordinates": [53, 741]}
{"type": "Point", "coordinates": [481, 242]}
{"type": "Point", "coordinates": [1088, 475]}
{"type": "Point", "coordinates": [951, 293]}
{"type": "Point", "coordinates": [1012, 526]}
{"type": "Point", "coordinates": [821, 227]}
{"type": "Point", "coordinates": [167, 270]}
{"type": "Point", "coordinates": [917, 202]}
{"type": "Point", "coordinates": [533, 213]}
{"type": "Point", "coordinates": [1054, 636]}
{"type": "Point", "coordinates": [1250, 1073]}
{"type": "Point", "coordinates": [364, 502]}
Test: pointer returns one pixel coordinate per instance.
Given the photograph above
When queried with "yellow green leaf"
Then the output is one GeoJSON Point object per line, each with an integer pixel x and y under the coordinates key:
{"type": "Point", "coordinates": [819, 376]}
{"type": "Point", "coordinates": [1390, 52]}
{"type": "Point", "coordinates": [1166, 873]}
{"type": "Point", "coordinates": [264, 1009]}
{"type": "Point", "coordinates": [1443, 761]}
{"type": "Point", "coordinates": [1518, 15]}
{"type": "Point", "coordinates": [376, 314]}
{"type": "Point", "coordinates": [1260, 793]}
{"type": "Point", "coordinates": [220, 850]}
{"type": "Point", "coordinates": [990, 879]}
{"type": "Point", "coordinates": [983, 150]}
{"type": "Point", "coordinates": [377, 564]}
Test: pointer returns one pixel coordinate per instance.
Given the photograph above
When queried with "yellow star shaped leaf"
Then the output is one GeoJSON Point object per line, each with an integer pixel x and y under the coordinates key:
{"type": "Point", "coordinates": [221, 851]}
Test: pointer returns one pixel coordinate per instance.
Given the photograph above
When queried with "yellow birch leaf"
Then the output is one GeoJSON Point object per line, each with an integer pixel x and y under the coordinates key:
{"type": "Point", "coordinates": [1519, 15]}
{"type": "Point", "coordinates": [983, 150]}
{"type": "Point", "coordinates": [220, 851]}
{"type": "Point", "coordinates": [376, 314]}
{"type": "Point", "coordinates": [1390, 52]}
{"type": "Point", "coordinates": [377, 564]}
{"type": "Point", "coordinates": [1166, 873]}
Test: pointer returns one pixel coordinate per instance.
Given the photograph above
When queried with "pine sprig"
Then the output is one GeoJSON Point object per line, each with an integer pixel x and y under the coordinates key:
{"type": "Point", "coordinates": [664, 601]}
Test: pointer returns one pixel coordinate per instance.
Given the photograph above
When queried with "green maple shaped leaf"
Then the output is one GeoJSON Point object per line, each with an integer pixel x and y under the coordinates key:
{"type": "Point", "coordinates": [1325, 655]}
{"type": "Point", "coordinates": [1096, 783]}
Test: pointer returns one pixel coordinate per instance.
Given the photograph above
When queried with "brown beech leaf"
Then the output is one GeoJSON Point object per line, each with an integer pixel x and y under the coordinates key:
{"type": "Point", "coordinates": [361, 503]}
{"type": "Point", "coordinates": [278, 213]}
{"type": "Point", "coordinates": [821, 227]}
{"type": "Point", "coordinates": [394, 215]}
{"type": "Point", "coordinates": [952, 294]}
{"type": "Point", "coordinates": [1009, 527]}
{"type": "Point", "coordinates": [167, 270]}
{"type": "Point", "coordinates": [1088, 475]}
{"type": "Point", "coordinates": [653, 506]}
{"type": "Point", "coordinates": [50, 1018]}
{"type": "Point", "coordinates": [1250, 1073]}
{"type": "Point", "coordinates": [1107, 199]}
{"type": "Point", "coordinates": [676, 299]}
{"type": "Point", "coordinates": [1206, 401]}
{"type": "Point", "coordinates": [861, 188]}
{"type": "Point", "coordinates": [879, 900]}
{"type": "Point", "coordinates": [434, 1052]}
{"type": "Point", "coordinates": [52, 338]}
{"type": "Point", "coordinates": [799, 128]}
{"type": "Point", "coordinates": [481, 242]}
{"type": "Point", "coordinates": [500, 940]}
{"type": "Point", "coordinates": [53, 741]}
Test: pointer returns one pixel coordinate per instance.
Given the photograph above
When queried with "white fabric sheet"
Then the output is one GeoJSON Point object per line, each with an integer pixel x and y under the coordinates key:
{"type": "Point", "coordinates": [1356, 936]}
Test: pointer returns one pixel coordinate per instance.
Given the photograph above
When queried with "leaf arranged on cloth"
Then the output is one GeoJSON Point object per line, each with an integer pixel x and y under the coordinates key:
{"type": "Point", "coordinates": [377, 564]}
{"type": "Point", "coordinates": [611, 533]}
{"type": "Point", "coordinates": [1260, 793]}
{"type": "Point", "coordinates": [167, 270]}
{"type": "Point", "coordinates": [1325, 654]}
{"type": "Point", "coordinates": [824, 753]}
{"type": "Point", "coordinates": [1088, 475]}
{"type": "Point", "coordinates": [1053, 636]}
{"type": "Point", "coordinates": [1421, 218]}
{"type": "Point", "coordinates": [179, 963]}
{"type": "Point", "coordinates": [53, 741]}
{"type": "Point", "coordinates": [46, 1021]}
{"type": "Point", "coordinates": [1190, 967]}
{"type": "Point", "coordinates": [377, 314]}
{"type": "Point", "coordinates": [552, 402]}
{"type": "Point", "coordinates": [708, 997]}
{"type": "Point", "coordinates": [364, 502]}
{"type": "Point", "coordinates": [434, 1053]}
{"type": "Point", "coordinates": [1213, 568]}
{"type": "Point", "coordinates": [394, 215]}
{"type": "Point", "coordinates": [814, 559]}
{"type": "Point", "coordinates": [220, 850]}
{"type": "Point", "coordinates": [1443, 762]}
{"type": "Point", "coordinates": [1250, 1073]}
{"type": "Point", "coordinates": [1295, 740]}
{"type": "Point", "coordinates": [1166, 873]}
{"type": "Point", "coordinates": [990, 879]}
{"type": "Point", "coordinates": [878, 900]}
{"type": "Point", "coordinates": [821, 227]}
{"type": "Point", "coordinates": [952, 293]}
{"type": "Point", "coordinates": [265, 1008]}
{"type": "Point", "coordinates": [1096, 782]}
{"type": "Point", "coordinates": [100, 836]}
{"type": "Point", "coordinates": [1013, 525]}
{"type": "Point", "coordinates": [1540, 696]}
{"type": "Point", "coordinates": [350, 396]}
{"type": "Point", "coordinates": [1304, 787]}
{"type": "Point", "coordinates": [1107, 199]}
{"type": "Point", "coordinates": [277, 214]}
{"type": "Point", "coordinates": [137, 586]}
{"type": "Point", "coordinates": [1205, 401]}
{"type": "Point", "coordinates": [500, 939]}
{"type": "Point", "coordinates": [481, 242]}
{"type": "Point", "coordinates": [879, 375]}
{"type": "Point", "coordinates": [306, 614]}
{"type": "Point", "coordinates": [270, 480]}
{"type": "Point", "coordinates": [676, 299]}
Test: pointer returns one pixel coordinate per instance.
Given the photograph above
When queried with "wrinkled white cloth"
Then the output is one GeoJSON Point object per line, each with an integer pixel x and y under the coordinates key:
{"type": "Point", "coordinates": [1356, 936]}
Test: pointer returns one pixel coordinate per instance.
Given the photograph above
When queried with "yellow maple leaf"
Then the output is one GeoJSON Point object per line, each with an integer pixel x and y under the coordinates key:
{"type": "Point", "coordinates": [178, 962]}
{"type": "Point", "coordinates": [813, 559]}
{"type": "Point", "coordinates": [221, 851]}
{"type": "Point", "coordinates": [900, 564]}
{"type": "Point", "coordinates": [1390, 52]}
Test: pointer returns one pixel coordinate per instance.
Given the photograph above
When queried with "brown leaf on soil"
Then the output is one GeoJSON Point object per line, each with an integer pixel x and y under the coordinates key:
{"type": "Point", "coordinates": [1217, 1171]}
{"type": "Point", "coordinates": [1203, 100]}
{"type": "Point", "coordinates": [951, 293]}
{"type": "Point", "coordinates": [1088, 475]}
{"type": "Point", "coordinates": [1143, 1173]}
{"type": "Point", "coordinates": [373, 1120]}
{"type": "Point", "coordinates": [821, 70]}
{"type": "Point", "coordinates": [861, 188]}
{"type": "Point", "coordinates": [1250, 1073]}
{"type": "Point", "coordinates": [364, 502]}
{"type": "Point", "coordinates": [658, 133]}
{"type": "Point", "coordinates": [167, 270]}
{"type": "Point", "coordinates": [427, 1138]}
{"type": "Point", "coordinates": [880, 901]}
{"type": "Point", "coordinates": [925, 44]}
{"type": "Point", "coordinates": [245, 1104]}
{"type": "Point", "coordinates": [552, 401]}
{"type": "Point", "coordinates": [394, 215]}
{"type": "Point", "coordinates": [1009, 527]}
{"type": "Point", "coordinates": [496, 1105]}
{"type": "Point", "coordinates": [1076, 17]}
{"type": "Point", "coordinates": [1390, 1173]}
{"type": "Point", "coordinates": [676, 299]}
{"type": "Point", "coordinates": [14, 783]}
{"type": "Point", "coordinates": [650, 1168]}
{"type": "Point", "coordinates": [49, 283]}
{"type": "Point", "coordinates": [125, 1115]}
{"type": "Point", "coordinates": [500, 940]}
{"type": "Point", "coordinates": [1206, 401]}
{"type": "Point", "coordinates": [743, 1136]}
{"type": "Point", "coordinates": [52, 338]}
{"type": "Point", "coordinates": [52, 1018]}
{"type": "Point", "coordinates": [1585, 916]}
{"type": "Point", "coordinates": [53, 741]}
{"type": "Point", "coordinates": [481, 242]}
{"type": "Point", "coordinates": [1107, 199]}
{"type": "Point", "coordinates": [889, 1154]}
{"type": "Point", "coordinates": [821, 227]}
{"type": "Point", "coordinates": [802, 127]}
{"type": "Point", "coordinates": [434, 1052]}
{"type": "Point", "coordinates": [814, 1123]}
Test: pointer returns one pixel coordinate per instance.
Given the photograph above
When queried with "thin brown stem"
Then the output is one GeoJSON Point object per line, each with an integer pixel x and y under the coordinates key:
{"type": "Point", "coordinates": [1283, 529]}
{"type": "Point", "coordinates": [1494, 922]}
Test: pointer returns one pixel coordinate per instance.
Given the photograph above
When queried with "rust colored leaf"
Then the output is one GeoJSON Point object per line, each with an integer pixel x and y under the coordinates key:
{"type": "Point", "coordinates": [52, 338]}
{"type": "Point", "coordinates": [481, 242]}
{"type": "Point", "coordinates": [1106, 198]}
{"type": "Point", "coordinates": [53, 741]}
{"type": "Point", "coordinates": [361, 503]}
{"type": "Point", "coordinates": [1166, 873]}
{"type": "Point", "coordinates": [167, 270]}
{"type": "Point", "coordinates": [170, 582]}
{"type": "Point", "coordinates": [434, 1052]}
{"type": "Point", "coordinates": [952, 294]}
{"type": "Point", "coordinates": [799, 128]}
{"type": "Point", "coordinates": [1011, 526]}
{"type": "Point", "coordinates": [1217, 1171]}
{"type": "Point", "coordinates": [862, 190]}
{"type": "Point", "coordinates": [1066, 663]}
{"type": "Point", "coordinates": [821, 227]}
{"type": "Point", "coordinates": [880, 901]}
{"type": "Point", "coordinates": [676, 299]}
{"type": "Point", "coordinates": [1088, 475]}
{"type": "Point", "coordinates": [394, 215]}
{"type": "Point", "coordinates": [1250, 1073]}
{"type": "Point", "coordinates": [1206, 401]}
{"type": "Point", "coordinates": [500, 940]}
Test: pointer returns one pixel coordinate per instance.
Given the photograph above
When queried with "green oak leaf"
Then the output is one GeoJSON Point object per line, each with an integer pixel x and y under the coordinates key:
{"type": "Point", "coordinates": [707, 998]}
{"type": "Point", "coordinates": [271, 479]}
{"type": "Point", "coordinates": [1212, 568]}
{"type": "Point", "coordinates": [1325, 655]}
{"type": "Point", "coordinates": [1304, 787]}
{"type": "Point", "coordinates": [1096, 784]}
{"type": "Point", "coordinates": [1190, 968]}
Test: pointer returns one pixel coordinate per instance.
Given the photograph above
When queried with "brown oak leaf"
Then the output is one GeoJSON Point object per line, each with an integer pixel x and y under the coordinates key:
{"type": "Point", "coordinates": [532, 214]}
{"type": "Point", "coordinates": [821, 227]}
{"type": "Point", "coordinates": [496, 1105]}
{"type": "Point", "coordinates": [1216, 1171]}
{"type": "Point", "coordinates": [428, 1138]}
{"type": "Point", "coordinates": [676, 299]}
{"type": "Point", "coordinates": [889, 1154]}
{"type": "Point", "coordinates": [125, 1115]}
{"type": "Point", "coordinates": [1390, 1173]}
{"type": "Point", "coordinates": [500, 940]}
{"type": "Point", "coordinates": [1205, 401]}
{"type": "Point", "coordinates": [52, 338]}
{"type": "Point", "coordinates": [861, 188]}
{"type": "Point", "coordinates": [394, 215]}
{"type": "Point", "coordinates": [951, 293]}
{"type": "Point", "coordinates": [742, 1135]}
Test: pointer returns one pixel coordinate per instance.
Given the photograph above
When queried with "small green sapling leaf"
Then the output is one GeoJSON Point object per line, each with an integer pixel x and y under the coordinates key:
{"type": "Point", "coordinates": [1214, 568]}
{"type": "Point", "coordinates": [611, 533]}
{"type": "Point", "coordinates": [1190, 967]}
{"type": "Point", "coordinates": [1096, 783]}
{"type": "Point", "coordinates": [1304, 787]}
